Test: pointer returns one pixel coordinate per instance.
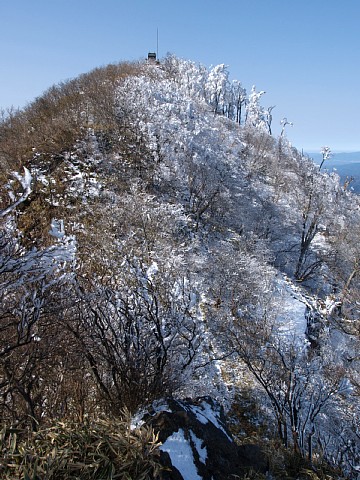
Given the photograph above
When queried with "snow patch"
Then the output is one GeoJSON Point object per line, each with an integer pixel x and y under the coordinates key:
{"type": "Point", "coordinates": [199, 448]}
{"type": "Point", "coordinates": [292, 318]}
{"type": "Point", "coordinates": [181, 455]}
{"type": "Point", "coordinates": [205, 414]}
{"type": "Point", "coordinates": [152, 271]}
{"type": "Point", "coordinates": [57, 228]}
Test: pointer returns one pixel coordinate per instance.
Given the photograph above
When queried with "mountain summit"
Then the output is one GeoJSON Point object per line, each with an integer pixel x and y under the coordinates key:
{"type": "Point", "coordinates": [158, 241]}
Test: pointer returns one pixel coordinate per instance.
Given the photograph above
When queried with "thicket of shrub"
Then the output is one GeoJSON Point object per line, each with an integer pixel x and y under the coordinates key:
{"type": "Point", "coordinates": [103, 449]}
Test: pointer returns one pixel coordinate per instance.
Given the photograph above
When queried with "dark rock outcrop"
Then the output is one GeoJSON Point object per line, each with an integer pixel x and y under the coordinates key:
{"type": "Point", "coordinates": [197, 444]}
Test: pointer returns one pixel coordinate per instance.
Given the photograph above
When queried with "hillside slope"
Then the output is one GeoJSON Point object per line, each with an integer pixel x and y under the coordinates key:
{"type": "Point", "coordinates": [157, 240]}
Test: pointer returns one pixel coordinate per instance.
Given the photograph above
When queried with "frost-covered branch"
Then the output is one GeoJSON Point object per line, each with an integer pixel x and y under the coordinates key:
{"type": "Point", "coordinates": [25, 181]}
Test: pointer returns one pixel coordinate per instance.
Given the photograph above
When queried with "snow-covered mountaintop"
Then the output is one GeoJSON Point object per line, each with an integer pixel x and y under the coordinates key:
{"type": "Point", "coordinates": [184, 250]}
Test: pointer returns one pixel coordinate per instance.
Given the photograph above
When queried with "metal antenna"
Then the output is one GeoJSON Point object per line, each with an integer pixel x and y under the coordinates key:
{"type": "Point", "coordinates": [157, 44]}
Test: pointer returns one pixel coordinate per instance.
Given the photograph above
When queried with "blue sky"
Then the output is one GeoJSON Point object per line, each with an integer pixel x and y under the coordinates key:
{"type": "Point", "coordinates": [304, 54]}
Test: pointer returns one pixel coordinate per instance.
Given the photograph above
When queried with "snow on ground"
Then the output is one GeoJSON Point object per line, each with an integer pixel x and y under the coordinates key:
{"type": "Point", "coordinates": [292, 308]}
{"type": "Point", "coordinates": [181, 455]}
{"type": "Point", "coordinates": [200, 449]}
{"type": "Point", "coordinates": [205, 413]}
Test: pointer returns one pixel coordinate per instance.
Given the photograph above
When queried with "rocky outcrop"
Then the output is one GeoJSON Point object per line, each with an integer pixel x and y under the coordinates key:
{"type": "Point", "coordinates": [196, 444]}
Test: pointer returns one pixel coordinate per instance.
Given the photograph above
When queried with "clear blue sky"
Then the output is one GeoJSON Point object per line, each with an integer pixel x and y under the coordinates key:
{"type": "Point", "coordinates": [304, 54]}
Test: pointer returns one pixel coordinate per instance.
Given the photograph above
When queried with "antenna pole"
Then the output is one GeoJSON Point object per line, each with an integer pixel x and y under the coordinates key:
{"type": "Point", "coordinates": [157, 44]}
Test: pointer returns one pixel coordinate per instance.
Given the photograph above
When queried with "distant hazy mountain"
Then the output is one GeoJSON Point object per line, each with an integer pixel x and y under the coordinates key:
{"type": "Point", "coordinates": [346, 164]}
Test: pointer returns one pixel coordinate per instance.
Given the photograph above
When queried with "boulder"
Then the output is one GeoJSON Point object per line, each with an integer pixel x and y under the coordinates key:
{"type": "Point", "coordinates": [197, 445]}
